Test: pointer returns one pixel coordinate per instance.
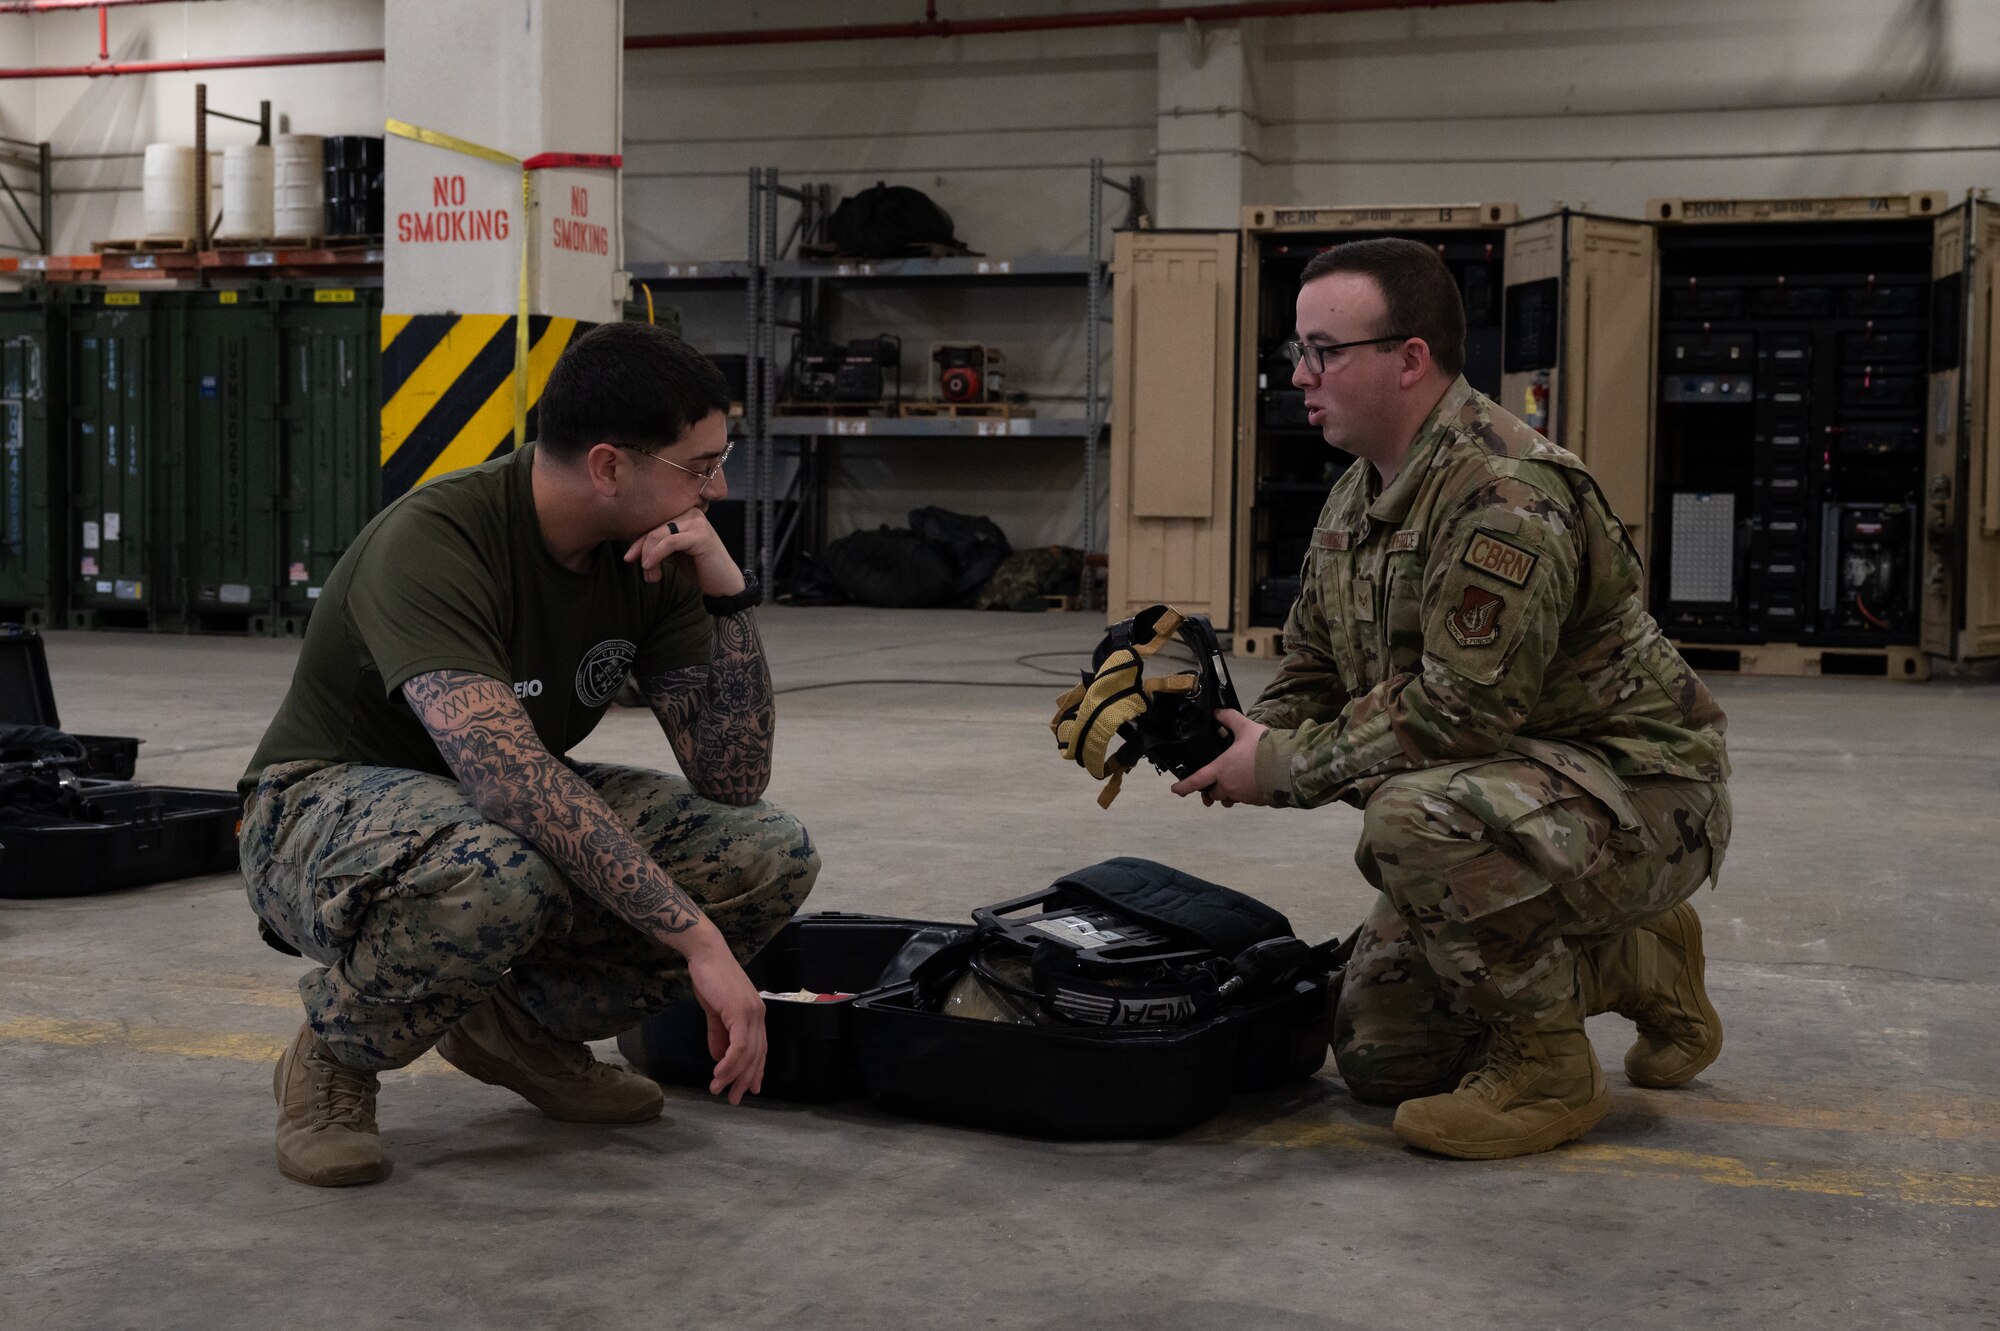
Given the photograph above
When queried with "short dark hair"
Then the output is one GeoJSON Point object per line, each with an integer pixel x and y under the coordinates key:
{"type": "Point", "coordinates": [631, 384]}
{"type": "Point", "coordinates": [1420, 292]}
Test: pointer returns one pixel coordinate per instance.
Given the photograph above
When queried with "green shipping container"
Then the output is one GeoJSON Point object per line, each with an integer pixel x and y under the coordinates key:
{"type": "Point", "coordinates": [224, 522]}
{"type": "Point", "coordinates": [330, 422]}
{"type": "Point", "coordinates": [120, 458]}
{"type": "Point", "coordinates": [33, 569]}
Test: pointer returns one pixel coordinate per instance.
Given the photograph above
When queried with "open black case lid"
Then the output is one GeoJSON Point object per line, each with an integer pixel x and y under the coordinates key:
{"type": "Point", "coordinates": [27, 698]}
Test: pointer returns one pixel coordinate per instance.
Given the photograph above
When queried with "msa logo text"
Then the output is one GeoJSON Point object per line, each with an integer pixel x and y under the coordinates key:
{"type": "Point", "coordinates": [528, 688]}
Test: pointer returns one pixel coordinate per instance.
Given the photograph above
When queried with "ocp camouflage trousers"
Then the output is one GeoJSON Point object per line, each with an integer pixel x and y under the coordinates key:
{"type": "Point", "coordinates": [416, 905]}
{"type": "Point", "coordinates": [1493, 874]}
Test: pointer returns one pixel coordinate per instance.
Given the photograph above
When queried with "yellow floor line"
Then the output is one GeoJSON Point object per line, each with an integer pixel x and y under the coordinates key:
{"type": "Point", "coordinates": [179, 1040]}
{"type": "Point", "coordinates": [1905, 1116]}
{"type": "Point", "coordinates": [1585, 1157]}
{"type": "Point", "coordinates": [144, 1039]}
{"type": "Point", "coordinates": [1923, 1188]}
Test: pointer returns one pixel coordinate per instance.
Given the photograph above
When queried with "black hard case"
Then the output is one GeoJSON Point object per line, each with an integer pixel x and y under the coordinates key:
{"type": "Point", "coordinates": [811, 1055]}
{"type": "Point", "coordinates": [132, 834]}
{"type": "Point", "coordinates": [1061, 1082]}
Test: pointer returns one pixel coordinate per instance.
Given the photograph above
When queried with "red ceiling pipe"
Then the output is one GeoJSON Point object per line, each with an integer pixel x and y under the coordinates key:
{"type": "Point", "coordinates": [103, 33]}
{"type": "Point", "coordinates": [932, 26]}
{"type": "Point", "coordinates": [929, 26]}
{"type": "Point", "coordinates": [53, 6]}
{"type": "Point", "coordinates": [180, 66]}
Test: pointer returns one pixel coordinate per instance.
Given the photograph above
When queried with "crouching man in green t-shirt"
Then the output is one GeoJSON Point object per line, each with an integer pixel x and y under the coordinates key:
{"type": "Point", "coordinates": [413, 822]}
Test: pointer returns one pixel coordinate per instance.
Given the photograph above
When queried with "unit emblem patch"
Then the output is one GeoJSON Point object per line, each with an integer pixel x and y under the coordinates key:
{"type": "Point", "coordinates": [603, 670]}
{"type": "Point", "coordinates": [1476, 620]}
{"type": "Point", "coordinates": [1499, 559]}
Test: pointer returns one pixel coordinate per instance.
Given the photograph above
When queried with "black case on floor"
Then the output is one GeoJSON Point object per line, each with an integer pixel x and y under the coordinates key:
{"type": "Point", "coordinates": [130, 835]}
{"type": "Point", "coordinates": [109, 833]}
{"type": "Point", "coordinates": [811, 1056]}
{"type": "Point", "coordinates": [1062, 1082]}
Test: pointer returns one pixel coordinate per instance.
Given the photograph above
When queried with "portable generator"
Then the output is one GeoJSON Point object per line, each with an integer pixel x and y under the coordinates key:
{"type": "Point", "coordinates": [855, 371]}
{"type": "Point", "coordinates": [969, 372]}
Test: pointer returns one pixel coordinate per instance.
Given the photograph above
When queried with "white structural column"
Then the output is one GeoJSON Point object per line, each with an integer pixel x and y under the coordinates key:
{"type": "Point", "coordinates": [1208, 129]}
{"type": "Point", "coordinates": [523, 77]}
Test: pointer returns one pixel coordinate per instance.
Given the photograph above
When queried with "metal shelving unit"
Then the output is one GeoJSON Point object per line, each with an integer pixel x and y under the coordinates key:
{"type": "Point", "coordinates": [698, 270]}
{"type": "Point", "coordinates": [774, 274]}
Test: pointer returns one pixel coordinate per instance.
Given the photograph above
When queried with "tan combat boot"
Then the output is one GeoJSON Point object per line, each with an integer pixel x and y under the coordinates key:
{"type": "Point", "coordinates": [1653, 974]}
{"type": "Point", "coordinates": [1537, 1088]}
{"type": "Point", "coordinates": [499, 1043]}
{"type": "Point", "coordinates": [326, 1117]}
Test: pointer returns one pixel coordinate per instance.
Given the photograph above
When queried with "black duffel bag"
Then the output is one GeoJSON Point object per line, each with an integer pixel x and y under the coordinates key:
{"type": "Point", "coordinates": [892, 567]}
{"type": "Point", "coordinates": [977, 546]}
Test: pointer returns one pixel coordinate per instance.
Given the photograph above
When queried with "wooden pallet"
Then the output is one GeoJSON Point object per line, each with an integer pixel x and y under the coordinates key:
{"type": "Point", "coordinates": [1258, 644]}
{"type": "Point", "coordinates": [831, 410]}
{"type": "Point", "coordinates": [1789, 660]}
{"type": "Point", "coordinates": [922, 249]}
{"type": "Point", "coordinates": [147, 245]}
{"type": "Point", "coordinates": [270, 243]}
{"type": "Point", "coordinates": [993, 411]}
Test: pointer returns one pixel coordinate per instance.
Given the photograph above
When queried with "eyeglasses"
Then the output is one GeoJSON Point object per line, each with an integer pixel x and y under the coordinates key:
{"type": "Point", "coordinates": [703, 476]}
{"type": "Point", "coordinates": [1314, 354]}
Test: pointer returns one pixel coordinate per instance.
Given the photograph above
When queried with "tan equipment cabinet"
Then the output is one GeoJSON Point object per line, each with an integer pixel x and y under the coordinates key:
{"type": "Point", "coordinates": [1173, 366]}
{"type": "Point", "coordinates": [1962, 469]}
{"type": "Point", "coordinates": [1790, 402]}
{"type": "Point", "coordinates": [1283, 466]}
{"type": "Point", "coordinates": [1581, 297]}
{"type": "Point", "coordinates": [1835, 517]}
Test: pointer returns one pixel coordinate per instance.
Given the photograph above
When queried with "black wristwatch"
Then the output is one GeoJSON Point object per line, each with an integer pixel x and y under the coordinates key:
{"type": "Point", "coordinates": [751, 595]}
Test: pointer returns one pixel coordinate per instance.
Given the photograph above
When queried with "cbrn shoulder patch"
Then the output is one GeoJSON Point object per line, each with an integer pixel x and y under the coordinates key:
{"type": "Point", "coordinates": [1498, 558]}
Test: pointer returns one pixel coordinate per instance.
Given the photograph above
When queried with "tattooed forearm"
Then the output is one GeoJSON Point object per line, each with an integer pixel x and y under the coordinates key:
{"type": "Point", "coordinates": [719, 717]}
{"type": "Point", "coordinates": [512, 778]}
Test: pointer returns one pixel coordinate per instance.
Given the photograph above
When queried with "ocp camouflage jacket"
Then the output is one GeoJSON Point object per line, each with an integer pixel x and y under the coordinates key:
{"type": "Point", "coordinates": [1487, 600]}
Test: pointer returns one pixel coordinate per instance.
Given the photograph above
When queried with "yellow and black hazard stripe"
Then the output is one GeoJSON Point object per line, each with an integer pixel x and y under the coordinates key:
{"type": "Point", "coordinates": [448, 390]}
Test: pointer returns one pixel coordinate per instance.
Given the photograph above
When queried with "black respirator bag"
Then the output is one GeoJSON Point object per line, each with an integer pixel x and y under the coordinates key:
{"type": "Point", "coordinates": [1130, 943]}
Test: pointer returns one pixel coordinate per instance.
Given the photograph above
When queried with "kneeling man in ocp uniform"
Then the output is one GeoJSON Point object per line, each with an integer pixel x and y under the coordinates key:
{"type": "Point", "coordinates": [1543, 777]}
{"type": "Point", "coordinates": [415, 826]}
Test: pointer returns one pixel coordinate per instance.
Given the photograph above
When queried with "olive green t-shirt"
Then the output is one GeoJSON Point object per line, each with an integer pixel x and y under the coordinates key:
{"type": "Point", "coordinates": [455, 576]}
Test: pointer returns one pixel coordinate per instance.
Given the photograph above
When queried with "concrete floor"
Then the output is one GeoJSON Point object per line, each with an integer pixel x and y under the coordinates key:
{"type": "Point", "coordinates": [1839, 1167]}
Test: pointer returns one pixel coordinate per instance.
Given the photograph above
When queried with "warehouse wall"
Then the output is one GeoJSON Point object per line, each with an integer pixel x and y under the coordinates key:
{"type": "Point", "coordinates": [1612, 103]}
{"type": "Point", "coordinates": [1598, 102]}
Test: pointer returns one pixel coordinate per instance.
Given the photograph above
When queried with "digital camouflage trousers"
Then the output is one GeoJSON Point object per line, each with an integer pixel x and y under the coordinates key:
{"type": "Point", "coordinates": [415, 905]}
{"type": "Point", "coordinates": [1494, 874]}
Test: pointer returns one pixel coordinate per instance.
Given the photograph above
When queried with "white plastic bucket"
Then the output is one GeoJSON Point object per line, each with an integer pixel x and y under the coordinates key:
{"type": "Point", "coordinates": [299, 194]}
{"type": "Point", "coordinates": [246, 192]}
{"type": "Point", "coordinates": [169, 192]}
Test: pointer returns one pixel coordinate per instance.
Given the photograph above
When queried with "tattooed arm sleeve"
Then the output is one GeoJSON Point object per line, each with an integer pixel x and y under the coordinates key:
{"type": "Point", "coordinates": [492, 747]}
{"type": "Point", "coordinates": [719, 717]}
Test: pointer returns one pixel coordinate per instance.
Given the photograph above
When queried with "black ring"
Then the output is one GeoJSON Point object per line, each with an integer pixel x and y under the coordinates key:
{"type": "Point", "coordinates": [673, 530]}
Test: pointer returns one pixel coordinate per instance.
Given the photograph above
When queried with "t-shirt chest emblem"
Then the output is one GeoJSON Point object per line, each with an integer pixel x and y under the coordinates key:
{"type": "Point", "coordinates": [602, 670]}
